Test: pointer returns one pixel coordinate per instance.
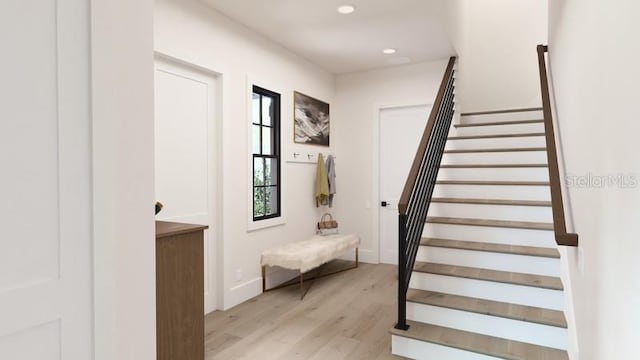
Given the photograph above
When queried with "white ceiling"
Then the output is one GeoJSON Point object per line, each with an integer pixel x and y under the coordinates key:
{"type": "Point", "coordinates": [339, 43]}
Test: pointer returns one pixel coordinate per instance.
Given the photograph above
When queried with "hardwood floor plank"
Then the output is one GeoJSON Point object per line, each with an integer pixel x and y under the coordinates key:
{"type": "Point", "coordinates": [491, 247]}
{"type": "Point", "coordinates": [499, 123]}
{"type": "Point", "coordinates": [483, 344]}
{"type": "Point", "coordinates": [491, 166]}
{"type": "Point", "coordinates": [492, 112]}
{"type": "Point", "coordinates": [337, 349]}
{"type": "Point", "coordinates": [489, 307]}
{"type": "Point", "coordinates": [490, 183]}
{"type": "Point", "coordinates": [494, 136]}
{"type": "Point", "coordinates": [376, 345]}
{"type": "Point", "coordinates": [490, 223]}
{"type": "Point", "coordinates": [464, 151]}
{"type": "Point", "coordinates": [215, 344]}
{"type": "Point", "coordinates": [343, 316]}
{"type": "Point", "coordinates": [476, 201]}
{"type": "Point", "coordinates": [541, 281]}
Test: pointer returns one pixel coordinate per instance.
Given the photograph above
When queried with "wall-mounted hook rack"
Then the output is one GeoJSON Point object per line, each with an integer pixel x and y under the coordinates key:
{"type": "Point", "coordinates": [310, 158]}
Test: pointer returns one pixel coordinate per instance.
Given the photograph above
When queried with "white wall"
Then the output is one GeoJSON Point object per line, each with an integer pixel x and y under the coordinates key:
{"type": "Point", "coordinates": [593, 46]}
{"type": "Point", "coordinates": [123, 177]}
{"type": "Point", "coordinates": [196, 34]}
{"type": "Point", "coordinates": [358, 98]}
{"type": "Point", "coordinates": [495, 41]}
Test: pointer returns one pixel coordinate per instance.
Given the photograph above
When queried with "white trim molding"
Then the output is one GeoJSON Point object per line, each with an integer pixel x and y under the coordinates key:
{"type": "Point", "coordinates": [284, 99]}
{"type": "Point", "coordinates": [375, 173]}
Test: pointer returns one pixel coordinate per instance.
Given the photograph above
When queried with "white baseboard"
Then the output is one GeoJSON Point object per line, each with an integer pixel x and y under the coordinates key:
{"type": "Point", "coordinates": [368, 256]}
{"type": "Point", "coordinates": [364, 256]}
{"type": "Point", "coordinates": [243, 292]}
{"type": "Point", "coordinates": [275, 276]}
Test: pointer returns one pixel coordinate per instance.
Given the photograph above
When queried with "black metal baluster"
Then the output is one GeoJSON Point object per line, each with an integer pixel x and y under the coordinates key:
{"type": "Point", "coordinates": [420, 189]}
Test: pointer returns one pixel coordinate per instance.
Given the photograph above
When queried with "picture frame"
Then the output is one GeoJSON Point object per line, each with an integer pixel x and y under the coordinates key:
{"type": "Point", "coordinates": [311, 120]}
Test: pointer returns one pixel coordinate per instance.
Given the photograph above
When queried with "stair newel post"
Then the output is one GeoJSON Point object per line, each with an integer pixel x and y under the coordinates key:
{"type": "Point", "coordinates": [402, 273]}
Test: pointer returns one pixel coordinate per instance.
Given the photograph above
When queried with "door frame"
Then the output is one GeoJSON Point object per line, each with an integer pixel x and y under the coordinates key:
{"type": "Point", "coordinates": [215, 247]}
{"type": "Point", "coordinates": [375, 174]}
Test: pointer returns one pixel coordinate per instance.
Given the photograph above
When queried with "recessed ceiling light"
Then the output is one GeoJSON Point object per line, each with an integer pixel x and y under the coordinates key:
{"type": "Point", "coordinates": [389, 51]}
{"type": "Point", "coordinates": [346, 9]}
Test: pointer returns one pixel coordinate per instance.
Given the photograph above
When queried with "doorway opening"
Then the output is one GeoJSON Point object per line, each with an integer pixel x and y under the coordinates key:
{"type": "Point", "coordinates": [187, 133]}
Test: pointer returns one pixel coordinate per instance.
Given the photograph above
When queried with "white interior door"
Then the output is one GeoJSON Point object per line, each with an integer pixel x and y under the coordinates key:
{"type": "Point", "coordinates": [46, 266]}
{"type": "Point", "coordinates": [400, 131]}
{"type": "Point", "coordinates": [185, 105]}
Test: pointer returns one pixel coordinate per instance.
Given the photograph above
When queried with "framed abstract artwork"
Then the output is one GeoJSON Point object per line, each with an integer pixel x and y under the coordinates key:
{"type": "Point", "coordinates": [311, 120]}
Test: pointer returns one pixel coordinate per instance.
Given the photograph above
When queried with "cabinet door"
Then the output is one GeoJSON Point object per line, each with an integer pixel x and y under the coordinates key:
{"type": "Point", "coordinates": [180, 300]}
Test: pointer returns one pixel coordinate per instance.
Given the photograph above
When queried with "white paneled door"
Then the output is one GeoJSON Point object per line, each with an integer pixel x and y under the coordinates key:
{"type": "Point", "coordinates": [46, 266]}
{"type": "Point", "coordinates": [400, 131]}
{"type": "Point", "coordinates": [185, 128]}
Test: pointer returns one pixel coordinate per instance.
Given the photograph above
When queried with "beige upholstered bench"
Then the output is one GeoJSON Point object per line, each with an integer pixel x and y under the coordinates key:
{"type": "Point", "coordinates": [307, 255]}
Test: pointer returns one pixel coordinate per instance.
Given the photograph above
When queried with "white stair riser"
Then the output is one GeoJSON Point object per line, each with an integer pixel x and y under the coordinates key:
{"type": "Point", "coordinates": [537, 334]}
{"type": "Point", "coordinates": [488, 260]}
{"type": "Point", "coordinates": [503, 192]}
{"type": "Point", "coordinates": [421, 350]}
{"type": "Point", "coordinates": [516, 157]}
{"type": "Point", "coordinates": [522, 237]}
{"type": "Point", "coordinates": [495, 212]}
{"type": "Point", "coordinates": [524, 115]}
{"type": "Point", "coordinates": [496, 143]}
{"type": "Point", "coordinates": [497, 129]}
{"type": "Point", "coordinates": [509, 293]}
{"type": "Point", "coordinates": [495, 174]}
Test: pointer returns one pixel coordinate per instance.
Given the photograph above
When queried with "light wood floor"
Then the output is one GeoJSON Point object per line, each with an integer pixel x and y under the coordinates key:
{"type": "Point", "coordinates": [343, 316]}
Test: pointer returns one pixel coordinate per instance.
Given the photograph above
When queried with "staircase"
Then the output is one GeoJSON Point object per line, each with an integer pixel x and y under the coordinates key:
{"type": "Point", "coordinates": [486, 279]}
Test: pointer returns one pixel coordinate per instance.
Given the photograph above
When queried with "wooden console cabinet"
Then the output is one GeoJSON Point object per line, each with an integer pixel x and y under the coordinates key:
{"type": "Point", "coordinates": [179, 291]}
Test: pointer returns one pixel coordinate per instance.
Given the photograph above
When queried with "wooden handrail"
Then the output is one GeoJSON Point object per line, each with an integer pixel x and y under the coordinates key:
{"type": "Point", "coordinates": [422, 148]}
{"type": "Point", "coordinates": [559, 224]}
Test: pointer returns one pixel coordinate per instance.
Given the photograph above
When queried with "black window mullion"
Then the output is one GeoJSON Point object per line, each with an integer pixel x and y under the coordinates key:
{"type": "Point", "coordinates": [276, 137]}
{"type": "Point", "coordinates": [260, 126]}
{"type": "Point", "coordinates": [264, 182]}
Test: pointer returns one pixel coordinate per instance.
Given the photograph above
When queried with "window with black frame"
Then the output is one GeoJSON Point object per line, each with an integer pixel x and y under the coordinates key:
{"type": "Point", "coordinates": [266, 153]}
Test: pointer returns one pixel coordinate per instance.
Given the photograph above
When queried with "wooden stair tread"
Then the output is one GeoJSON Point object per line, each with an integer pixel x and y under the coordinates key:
{"type": "Point", "coordinates": [478, 343]}
{"type": "Point", "coordinates": [498, 123]}
{"type": "Point", "coordinates": [505, 277]}
{"type": "Point", "coordinates": [491, 202]}
{"type": "Point", "coordinates": [492, 247]}
{"type": "Point", "coordinates": [504, 111]}
{"type": "Point", "coordinates": [489, 307]}
{"type": "Point", "coordinates": [491, 223]}
{"type": "Point", "coordinates": [500, 183]}
{"type": "Point", "coordinates": [495, 136]}
{"type": "Point", "coordinates": [490, 166]}
{"type": "Point", "coordinates": [468, 151]}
